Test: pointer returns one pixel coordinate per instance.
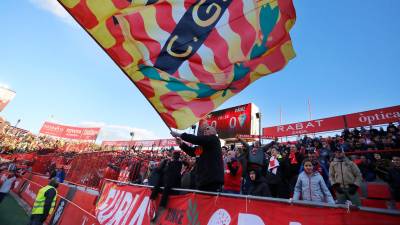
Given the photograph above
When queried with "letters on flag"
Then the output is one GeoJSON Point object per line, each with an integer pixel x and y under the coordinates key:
{"type": "Point", "coordinates": [189, 56]}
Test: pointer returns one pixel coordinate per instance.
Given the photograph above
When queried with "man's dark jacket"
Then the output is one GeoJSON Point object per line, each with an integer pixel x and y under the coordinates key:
{"type": "Point", "coordinates": [209, 168]}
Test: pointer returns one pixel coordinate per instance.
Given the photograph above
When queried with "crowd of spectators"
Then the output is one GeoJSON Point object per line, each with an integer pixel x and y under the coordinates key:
{"type": "Point", "coordinates": [282, 169]}
{"type": "Point", "coordinates": [15, 140]}
{"type": "Point", "coordinates": [276, 169]}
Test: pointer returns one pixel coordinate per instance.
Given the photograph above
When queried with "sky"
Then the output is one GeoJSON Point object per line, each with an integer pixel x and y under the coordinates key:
{"type": "Point", "coordinates": [347, 61]}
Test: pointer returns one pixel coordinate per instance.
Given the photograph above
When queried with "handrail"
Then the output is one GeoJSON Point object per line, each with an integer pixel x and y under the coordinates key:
{"type": "Point", "coordinates": [382, 211]}
{"type": "Point", "coordinates": [280, 200]}
{"type": "Point", "coordinates": [371, 151]}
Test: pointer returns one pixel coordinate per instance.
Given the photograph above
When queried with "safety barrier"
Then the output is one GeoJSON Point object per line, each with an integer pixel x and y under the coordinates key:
{"type": "Point", "coordinates": [87, 169]}
{"type": "Point", "coordinates": [123, 203]}
{"type": "Point", "coordinates": [73, 206]}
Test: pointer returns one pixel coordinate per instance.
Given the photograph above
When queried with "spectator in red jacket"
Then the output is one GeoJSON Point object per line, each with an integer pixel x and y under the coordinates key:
{"type": "Point", "coordinates": [233, 174]}
{"type": "Point", "coordinates": [111, 172]}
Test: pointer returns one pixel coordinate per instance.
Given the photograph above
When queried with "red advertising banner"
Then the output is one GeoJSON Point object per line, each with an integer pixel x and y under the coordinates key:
{"type": "Point", "coordinates": [6, 95]}
{"type": "Point", "coordinates": [80, 210]}
{"type": "Point", "coordinates": [18, 184]}
{"type": "Point", "coordinates": [131, 205]}
{"type": "Point", "coordinates": [167, 143]}
{"type": "Point", "coordinates": [19, 181]}
{"type": "Point", "coordinates": [249, 136]}
{"type": "Point", "coordinates": [62, 131]}
{"type": "Point", "coordinates": [117, 143]}
{"type": "Point", "coordinates": [146, 143]}
{"type": "Point", "coordinates": [29, 192]}
{"type": "Point", "coordinates": [374, 117]}
{"type": "Point", "coordinates": [143, 143]}
{"type": "Point", "coordinates": [75, 215]}
{"type": "Point", "coordinates": [123, 205]}
{"type": "Point", "coordinates": [230, 122]}
{"type": "Point", "coordinates": [312, 126]}
{"type": "Point", "coordinates": [367, 118]}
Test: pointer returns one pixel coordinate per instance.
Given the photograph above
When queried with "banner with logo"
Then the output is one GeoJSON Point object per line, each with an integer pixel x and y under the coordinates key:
{"type": "Point", "coordinates": [69, 132]}
{"type": "Point", "coordinates": [31, 188]}
{"type": "Point", "coordinates": [306, 127]}
{"type": "Point", "coordinates": [19, 182]}
{"type": "Point", "coordinates": [6, 95]}
{"type": "Point", "coordinates": [131, 205]}
{"type": "Point", "coordinates": [165, 143]}
{"type": "Point", "coordinates": [249, 136]}
{"type": "Point", "coordinates": [74, 215]}
{"type": "Point", "coordinates": [126, 204]}
{"type": "Point", "coordinates": [123, 205]}
{"type": "Point", "coordinates": [143, 143]}
{"type": "Point", "coordinates": [79, 210]}
{"type": "Point", "coordinates": [360, 119]}
{"type": "Point", "coordinates": [117, 143]}
{"type": "Point", "coordinates": [229, 122]}
{"type": "Point", "coordinates": [374, 117]}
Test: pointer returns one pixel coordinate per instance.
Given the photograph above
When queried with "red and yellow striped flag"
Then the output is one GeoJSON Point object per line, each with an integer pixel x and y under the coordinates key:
{"type": "Point", "coordinates": [189, 56]}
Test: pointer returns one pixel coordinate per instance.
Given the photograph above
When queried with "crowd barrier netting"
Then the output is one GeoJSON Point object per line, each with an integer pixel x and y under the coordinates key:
{"type": "Point", "coordinates": [87, 169]}
{"type": "Point", "coordinates": [41, 164]}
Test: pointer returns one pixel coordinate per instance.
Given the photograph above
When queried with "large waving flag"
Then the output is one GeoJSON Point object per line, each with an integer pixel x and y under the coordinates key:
{"type": "Point", "coordinates": [189, 56]}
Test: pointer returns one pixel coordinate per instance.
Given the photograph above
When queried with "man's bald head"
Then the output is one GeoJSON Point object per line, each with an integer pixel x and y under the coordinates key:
{"type": "Point", "coordinates": [209, 130]}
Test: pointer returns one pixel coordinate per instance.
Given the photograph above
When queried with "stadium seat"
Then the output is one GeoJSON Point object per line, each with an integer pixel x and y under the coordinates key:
{"type": "Point", "coordinates": [362, 191]}
{"type": "Point", "coordinates": [375, 203]}
{"type": "Point", "coordinates": [378, 191]}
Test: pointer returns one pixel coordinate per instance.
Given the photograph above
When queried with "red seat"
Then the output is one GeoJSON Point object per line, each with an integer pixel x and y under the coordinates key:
{"type": "Point", "coordinates": [360, 192]}
{"type": "Point", "coordinates": [378, 191]}
{"type": "Point", "coordinates": [375, 203]}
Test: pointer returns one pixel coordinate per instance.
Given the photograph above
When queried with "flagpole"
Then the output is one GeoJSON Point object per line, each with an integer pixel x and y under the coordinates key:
{"type": "Point", "coordinates": [309, 112]}
{"type": "Point", "coordinates": [280, 117]}
{"type": "Point", "coordinates": [309, 109]}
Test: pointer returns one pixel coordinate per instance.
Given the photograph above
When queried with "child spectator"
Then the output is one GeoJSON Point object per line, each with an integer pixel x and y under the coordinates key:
{"type": "Point", "coordinates": [258, 185]}
{"type": "Point", "coordinates": [311, 186]}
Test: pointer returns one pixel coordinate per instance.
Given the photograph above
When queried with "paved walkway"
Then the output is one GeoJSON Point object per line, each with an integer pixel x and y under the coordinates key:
{"type": "Point", "coordinates": [11, 213]}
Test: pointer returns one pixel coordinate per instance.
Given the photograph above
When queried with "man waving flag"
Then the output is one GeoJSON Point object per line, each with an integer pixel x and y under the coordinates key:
{"type": "Point", "coordinates": [189, 56]}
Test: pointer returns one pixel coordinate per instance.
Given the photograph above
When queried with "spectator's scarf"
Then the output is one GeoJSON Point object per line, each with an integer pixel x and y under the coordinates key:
{"type": "Point", "coordinates": [198, 151]}
{"type": "Point", "coordinates": [273, 165]}
{"type": "Point", "coordinates": [318, 168]}
{"type": "Point", "coordinates": [292, 157]}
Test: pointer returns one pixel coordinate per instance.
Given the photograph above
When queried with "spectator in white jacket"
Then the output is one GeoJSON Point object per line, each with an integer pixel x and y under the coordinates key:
{"type": "Point", "coordinates": [310, 186]}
